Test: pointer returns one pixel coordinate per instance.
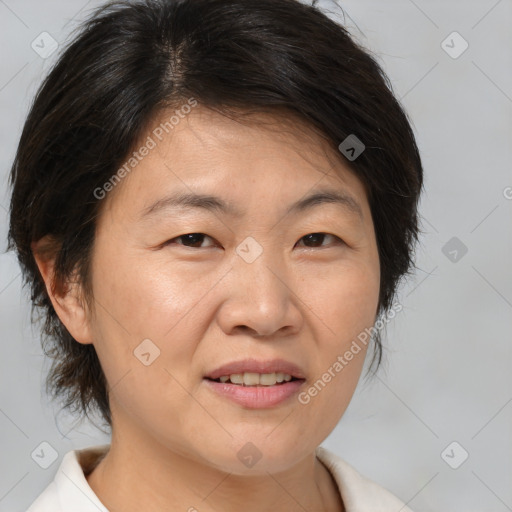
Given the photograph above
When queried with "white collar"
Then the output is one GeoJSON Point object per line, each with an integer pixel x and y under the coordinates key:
{"type": "Point", "coordinates": [70, 490]}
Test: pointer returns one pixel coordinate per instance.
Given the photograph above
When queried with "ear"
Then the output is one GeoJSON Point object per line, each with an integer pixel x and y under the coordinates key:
{"type": "Point", "coordinates": [67, 298]}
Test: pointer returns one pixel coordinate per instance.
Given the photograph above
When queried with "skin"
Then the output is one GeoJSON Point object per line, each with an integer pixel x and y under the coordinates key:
{"type": "Point", "coordinates": [174, 441]}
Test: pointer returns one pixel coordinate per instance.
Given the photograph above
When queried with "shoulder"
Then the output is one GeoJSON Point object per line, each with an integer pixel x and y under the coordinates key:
{"type": "Point", "coordinates": [69, 489]}
{"type": "Point", "coordinates": [359, 493]}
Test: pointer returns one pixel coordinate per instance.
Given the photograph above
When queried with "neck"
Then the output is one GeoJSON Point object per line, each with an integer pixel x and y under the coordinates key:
{"type": "Point", "coordinates": [147, 476]}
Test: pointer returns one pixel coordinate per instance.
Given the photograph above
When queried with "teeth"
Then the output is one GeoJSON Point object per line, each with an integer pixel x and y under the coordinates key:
{"type": "Point", "coordinates": [266, 379]}
{"type": "Point", "coordinates": [237, 378]}
{"type": "Point", "coordinates": [256, 379]}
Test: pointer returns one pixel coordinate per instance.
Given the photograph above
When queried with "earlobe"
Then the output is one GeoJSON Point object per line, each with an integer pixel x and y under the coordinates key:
{"type": "Point", "coordinates": [67, 298]}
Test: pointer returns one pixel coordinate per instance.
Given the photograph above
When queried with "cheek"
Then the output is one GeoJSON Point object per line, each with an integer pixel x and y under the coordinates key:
{"type": "Point", "coordinates": [140, 296]}
{"type": "Point", "coordinates": [344, 306]}
{"type": "Point", "coordinates": [141, 319]}
{"type": "Point", "coordinates": [137, 301]}
{"type": "Point", "coordinates": [346, 299]}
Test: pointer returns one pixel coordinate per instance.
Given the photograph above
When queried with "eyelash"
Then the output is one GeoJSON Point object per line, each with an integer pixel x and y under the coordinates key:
{"type": "Point", "coordinates": [170, 242]}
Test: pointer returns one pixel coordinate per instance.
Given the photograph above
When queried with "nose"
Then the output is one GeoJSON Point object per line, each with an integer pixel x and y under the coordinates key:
{"type": "Point", "coordinates": [260, 300]}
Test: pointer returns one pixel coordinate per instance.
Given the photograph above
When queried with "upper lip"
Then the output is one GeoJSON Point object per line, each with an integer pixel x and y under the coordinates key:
{"type": "Point", "coordinates": [255, 366]}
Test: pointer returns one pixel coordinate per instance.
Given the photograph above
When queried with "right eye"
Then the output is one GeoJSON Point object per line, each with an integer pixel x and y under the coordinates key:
{"type": "Point", "coordinates": [193, 240]}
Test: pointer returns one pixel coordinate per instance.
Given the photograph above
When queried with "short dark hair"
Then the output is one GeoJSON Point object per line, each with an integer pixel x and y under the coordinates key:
{"type": "Point", "coordinates": [131, 60]}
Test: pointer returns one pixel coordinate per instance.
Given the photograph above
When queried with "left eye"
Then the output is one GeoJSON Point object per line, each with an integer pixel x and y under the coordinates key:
{"type": "Point", "coordinates": [195, 239]}
{"type": "Point", "coordinates": [314, 238]}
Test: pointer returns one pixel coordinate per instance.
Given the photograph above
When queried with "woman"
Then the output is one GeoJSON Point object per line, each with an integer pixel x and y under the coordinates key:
{"type": "Point", "coordinates": [213, 202]}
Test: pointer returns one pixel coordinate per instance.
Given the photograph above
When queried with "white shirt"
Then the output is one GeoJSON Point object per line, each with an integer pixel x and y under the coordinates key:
{"type": "Point", "coordinates": [70, 492]}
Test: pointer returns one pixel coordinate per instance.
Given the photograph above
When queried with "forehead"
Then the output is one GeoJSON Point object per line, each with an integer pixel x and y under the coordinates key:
{"type": "Point", "coordinates": [275, 156]}
{"type": "Point", "coordinates": [205, 132]}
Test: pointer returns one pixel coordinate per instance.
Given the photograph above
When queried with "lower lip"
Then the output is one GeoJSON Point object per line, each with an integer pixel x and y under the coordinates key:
{"type": "Point", "coordinates": [256, 397]}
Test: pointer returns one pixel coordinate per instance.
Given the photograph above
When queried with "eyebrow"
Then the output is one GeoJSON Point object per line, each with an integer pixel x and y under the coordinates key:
{"type": "Point", "coordinates": [189, 200]}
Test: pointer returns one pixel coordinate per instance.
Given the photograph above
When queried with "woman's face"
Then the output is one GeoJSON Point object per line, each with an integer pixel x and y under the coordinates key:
{"type": "Point", "coordinates": [260, 280]}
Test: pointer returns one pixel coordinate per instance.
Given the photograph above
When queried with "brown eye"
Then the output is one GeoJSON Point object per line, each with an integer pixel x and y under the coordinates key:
{"type": "Point", "coordinates": [315, 239]}
{"type": "Point", "coordinates": [193, 240]}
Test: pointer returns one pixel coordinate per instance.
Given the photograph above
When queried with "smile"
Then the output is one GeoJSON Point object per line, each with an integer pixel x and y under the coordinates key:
{"type": "Point", "coordinates": [255, 379]}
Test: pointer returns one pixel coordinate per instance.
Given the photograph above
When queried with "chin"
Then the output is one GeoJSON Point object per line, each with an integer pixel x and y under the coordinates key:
{"type": "Point", "coordinates": [256, 454]}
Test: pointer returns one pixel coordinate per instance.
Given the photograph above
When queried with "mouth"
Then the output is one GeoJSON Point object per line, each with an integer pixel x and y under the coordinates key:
{"type": "Point", "coordinates": [256, 396]}
{"type": "Point", "coordinates": [256, 379]}
{"type": "Point", "coordinates": [252, 372]}
{"type": "Point", "coordinates": [256, 384]}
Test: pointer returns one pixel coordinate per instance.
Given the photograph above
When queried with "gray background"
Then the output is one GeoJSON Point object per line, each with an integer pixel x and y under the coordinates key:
{"type": "Point", "coordinates": [447, 372]}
